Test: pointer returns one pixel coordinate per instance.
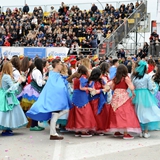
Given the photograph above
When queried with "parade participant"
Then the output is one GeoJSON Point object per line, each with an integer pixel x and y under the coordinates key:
{"type": "Point", "coordinates": [86, 62]}
{"type": "Point", "coordinates": [145, 102]}
{"type": "Point", "coordinates": [95, 60]}
{"type": "Point", "coordinates": [66, 61]}
{"type": "Point", "coordinates": [123, 118]}
{"type": "Point", "coordinates": [25, 63]}
{"type": "Point", "coordinates": [45, 69]}
{"type": "Point", "coordinates": [81, 118]}
{"type": "Point", "coordinates": [31, 91]}
{"type": "Point", "coordinates": [98, 99]}
{"type": "Point", "coordinates": [11, 113]}
{"type": "Point", "coordinates": [156, 79]}
{"type": "Point", "coordinates": [151, 65]}
{"type": "Point", "coordinates": [62, 121]}
{"type": "Point", "coordinates": [73, 65]}
{"type": "Point", "coordinates": [16, 74]}
{"type": "Point", "coordinates": [53, 101]}
{"type": "Point", "coordinates": [16, 68]}
{"type": "Point", "coordinates": [104, 67]}
{"type": "Point", "coordinates": [113, 69]}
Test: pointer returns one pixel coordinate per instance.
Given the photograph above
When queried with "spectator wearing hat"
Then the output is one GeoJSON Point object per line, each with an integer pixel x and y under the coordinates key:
{"type": "Point", "coordinates": [95, 60]}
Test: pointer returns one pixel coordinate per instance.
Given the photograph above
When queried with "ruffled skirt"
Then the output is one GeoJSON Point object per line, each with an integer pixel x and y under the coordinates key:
{"type": "Point", "coordinates": [81, 119]}
{"type": "Point", "coordinates": [158, 98]}
{"type": "Point", "coordinates": [102, 119]}
{"type": "Point", "coordinates": [124, 119]}
{"type": "Point", "coordinates": [147, 109]}
{"type": "Point", "coordinates": [30, 95]}
{"type": "Point", "coordinates": [13, 119]}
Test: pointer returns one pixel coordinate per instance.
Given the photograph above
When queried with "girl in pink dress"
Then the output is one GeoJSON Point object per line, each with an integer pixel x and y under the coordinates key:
{"type": "Point", "coordinates": [123, 118]}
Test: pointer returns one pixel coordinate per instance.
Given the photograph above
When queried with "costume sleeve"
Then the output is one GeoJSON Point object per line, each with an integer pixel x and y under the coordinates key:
{"type": "Point", "coordinates": [9, 81]}
{"type": "Point", "coordinates": [16, 75]}
{"type": "Point", "coordinates": [38, 78]}
{"type": "Point", "coordinates": [129, 83]}
{"type": "Point", "coordinates": [150, 83]}
{"type": "Point", "coordinates": [83, 83]}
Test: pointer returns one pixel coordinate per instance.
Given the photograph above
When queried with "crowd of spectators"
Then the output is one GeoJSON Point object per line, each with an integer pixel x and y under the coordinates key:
{"type": "Point", "coordinates": [70, 27]}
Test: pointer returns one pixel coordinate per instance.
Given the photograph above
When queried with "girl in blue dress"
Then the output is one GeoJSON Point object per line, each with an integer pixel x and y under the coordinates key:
{"type": "Point", "coordinates": [145, 102]}
{"type": "Point", "coordinates": [11, 113]}
{"type": "Point", "coordinates": [156, 79]}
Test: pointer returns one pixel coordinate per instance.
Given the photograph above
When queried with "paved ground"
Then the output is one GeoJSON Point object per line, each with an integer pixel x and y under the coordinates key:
{"type": "Point", "coordinates": [26, 145]}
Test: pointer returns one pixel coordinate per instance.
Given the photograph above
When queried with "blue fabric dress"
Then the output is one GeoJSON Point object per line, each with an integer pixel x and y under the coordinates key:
{"type": "Point", "coordinates": [63, 119]}
{"type": "Point", "coordinates": [146, 104]}
{"type": "Point", "coordinates": [156, 93]}
{"type": "Point", "coordinates": [54, 97]}
{"type": "Point", "coordinates": [11, 113]}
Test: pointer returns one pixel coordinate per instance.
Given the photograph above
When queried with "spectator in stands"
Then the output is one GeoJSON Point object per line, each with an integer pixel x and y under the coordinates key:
{"type": "Point", "coordinates": [26, 9]}
{"type": "Point", "coordinates": [68, 42]}
{"type": "Point", "coordinates": [93, 44]}
{"type": "Point", "coordinates": [146, 48]}
{"type": "Point", "coordinates": [8, 12]}
{"type": "Point", "coordinates": [74, 48]}
{"type": "Point", "coordinates": [52, 11]}
{"type": "Point", "coordinates": [139, 54]}
{"type": "Point", "coordinates": [121, 53]}
{"type": "Point", "coordinates": [63, 9]}
{"type": "Point", "coordinates": [6, 43]}
{"type": "Point", "coordinates": [116, 14]}
{"type": "Point", "coordinates": [23, 29]}
{"type": "Point", "coordinates": [94, 8]}
{"type": "Point", "coordinates": [107, 8]}
{"type": "Point", "coordinates": [1, 42]}
{"type": "Point", "coordinates": [108, 34]}
{"type": "Point", "coordinates": [137, 4]}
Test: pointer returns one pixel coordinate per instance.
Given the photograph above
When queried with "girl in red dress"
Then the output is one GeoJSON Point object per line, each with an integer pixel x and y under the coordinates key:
{"type": "Point", "coordinates": [81, 118]}
{"type": "Point", "coordinates": [123, 118]}
{"type": "Point", "coordinates": [98, 99]}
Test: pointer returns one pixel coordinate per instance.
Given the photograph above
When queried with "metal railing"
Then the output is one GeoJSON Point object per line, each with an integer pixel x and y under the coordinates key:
{"type": "Point", "coordinates": [126, 27]}
{"type": "Point", "coordinates": [154, 49]}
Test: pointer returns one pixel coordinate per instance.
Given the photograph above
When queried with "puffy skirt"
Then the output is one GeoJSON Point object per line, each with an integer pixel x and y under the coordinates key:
{"type": "Point", "coordinates": [13, 119]}
{"type": "Point", "coordinates": [147, 110]}
{"type": "Point", "coordinates": [124, 119]}
{"type": "Point", "coordinates": [30, 95]}
{"type": "Point", "coordinates": [158, 98]}
{"type": "Point", "coordinates": [102, 119]}
{"type": "Point", "coordinates": [81, 119]}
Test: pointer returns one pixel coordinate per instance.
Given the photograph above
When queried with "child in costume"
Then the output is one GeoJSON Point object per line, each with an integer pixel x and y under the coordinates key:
{"type": "Point", "coordinates": [31, 91]}
{"type": "Point", "coordinates": [81, 118]}
{"type": "Point", "coordinates": [156, 79]}
{"type": "Point", "coordinates": [113, 69]}
{"type": "Point", "coordinates": [11, 113]}
{"type": "Point", "coordinates": [62, 121]}
{"type": "Point", "coordinates": [145, 102]}
{"type": "Point", "coordinates": [98, 99]}
{"type": "Point", "coordinates": [54, 100]}
{"type": "Point", "coordinates": [123, 119]}
{"type": "Point", "coordinates": [104, 67]}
